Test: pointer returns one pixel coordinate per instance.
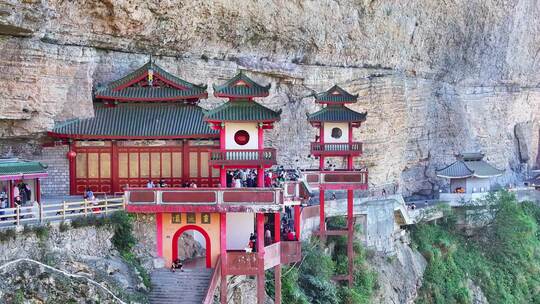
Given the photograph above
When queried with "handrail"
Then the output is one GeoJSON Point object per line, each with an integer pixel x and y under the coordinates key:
{"type": "Point", "coordinates": [38, 213]}
{"type": "Point", "coordinates": [216, 275]}
{"type": "Point", "coordinates": [335, 147]}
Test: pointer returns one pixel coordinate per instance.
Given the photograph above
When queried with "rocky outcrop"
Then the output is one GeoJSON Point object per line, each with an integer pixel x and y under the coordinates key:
{"type": "Point", "coordinates": [436, 78]}
{"type": "Point", "coordinates": [399, 276]}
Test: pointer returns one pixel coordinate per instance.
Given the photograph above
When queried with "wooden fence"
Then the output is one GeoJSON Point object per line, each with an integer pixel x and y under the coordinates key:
{"type": "Point", "coordinates": [39, 213]}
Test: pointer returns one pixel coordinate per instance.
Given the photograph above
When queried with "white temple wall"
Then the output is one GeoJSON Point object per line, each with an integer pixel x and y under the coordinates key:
{"type": "Point", "coordinates": [239, 228]}
{"type": "Point", "coordinates": [475, 184]}
{"type": "Point", "coordinates": [328, 126]}
{"type": "Point", "coordinates": [232, 127]}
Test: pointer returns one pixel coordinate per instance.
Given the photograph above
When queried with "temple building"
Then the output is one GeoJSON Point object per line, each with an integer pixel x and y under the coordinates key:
{"type": "Point", "coordinates": [336, 123]}
{"type": "Point", "coordinates": [470, 173]}
{"type": "Point", "coordinates": [22, 179]}
{"type": "Point", "coordinates": [146, 126]}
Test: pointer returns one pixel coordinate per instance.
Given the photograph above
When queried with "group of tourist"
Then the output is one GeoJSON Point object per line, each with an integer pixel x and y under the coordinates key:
{"type": "Point", "coordinates": [161, 184]}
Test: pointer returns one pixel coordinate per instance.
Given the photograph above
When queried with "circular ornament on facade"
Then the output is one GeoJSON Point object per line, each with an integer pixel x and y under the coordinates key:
{"type": "Point", "coordinates": [336, 133]}
{"type": "Point", "coordinates": [241, 137]}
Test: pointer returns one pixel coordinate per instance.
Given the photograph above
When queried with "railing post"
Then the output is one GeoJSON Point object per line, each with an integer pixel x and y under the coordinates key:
{"type": "Point", "coordinates": [40, 213]}
{"type": "Point", "coordinates": [18, 210]}
{"type": "Point", "coordinates": [85, 207]}
{"type": "Point", "coordinates": [63, 210]}
{"type": "Point", "coordinates": [106, 205]}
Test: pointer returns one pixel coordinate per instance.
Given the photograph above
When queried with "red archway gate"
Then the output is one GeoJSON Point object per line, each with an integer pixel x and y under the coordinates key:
{"type": "Point", "coordinates": [179, 232]}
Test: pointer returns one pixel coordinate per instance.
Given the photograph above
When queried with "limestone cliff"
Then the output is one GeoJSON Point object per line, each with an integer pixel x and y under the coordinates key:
{"type": "Point", "coordinates": [436, 77]}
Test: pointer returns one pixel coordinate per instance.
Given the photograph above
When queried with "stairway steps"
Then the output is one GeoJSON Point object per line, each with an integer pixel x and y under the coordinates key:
{"type": "Point", "coordinates": [187, 287]}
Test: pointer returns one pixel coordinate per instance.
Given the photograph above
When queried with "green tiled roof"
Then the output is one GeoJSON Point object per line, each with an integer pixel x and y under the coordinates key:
{"type": "Point", "coordinates": [468, 165]}
{"type": "Point", "coordinates": [139, 121]}
{"type": "Point", "coordinates": [151, 93]}
{"type": "Point", "coordinates": [15, 166]}
{"type": "Point", "coordinates": [336, 95]}
{"type": "Point", "coordinates": [337, 114]}
{"type": "Point", "coordinates": [182, 89]}
{"type": "Point", "coordinates": [246, 88]}
{"type": "Point", "coordinates": [242, 110]}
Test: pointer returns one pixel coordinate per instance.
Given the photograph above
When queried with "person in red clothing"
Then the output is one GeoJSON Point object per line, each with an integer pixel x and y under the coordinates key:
{"type": "Point", "coordinates": [267, 181]}
{"type": "Point", "coordinates": [290, 236]}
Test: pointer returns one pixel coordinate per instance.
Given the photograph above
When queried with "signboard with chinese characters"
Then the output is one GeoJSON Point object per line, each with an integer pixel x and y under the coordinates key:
{"type": "Point", "coordinates": [205, 218]}
{"type": "Point", "coordinates": [176, 218]}
{"type": "Point", "coordinates": [191, 218]}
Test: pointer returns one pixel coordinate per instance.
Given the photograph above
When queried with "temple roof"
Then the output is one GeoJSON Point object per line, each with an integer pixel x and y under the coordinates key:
{"type": "Point", "coordinates": [13, 168]}
{"type": "Point", "coordinates": [150, 83]}
{"type": "Point", "coordinates": [241, 86]}
{"type": "Point", "coordinates": [138, 121]}
{"type": "Point", "coordinates": [337, 114]}
{"type": "Point", "coordinates": [242, 110]}
{"type": "Point", "coordinates": [469, 165]}
{"type": "Point", "coordinates": [335, 95]}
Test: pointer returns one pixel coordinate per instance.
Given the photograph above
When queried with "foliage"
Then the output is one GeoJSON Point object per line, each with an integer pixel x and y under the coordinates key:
{"type": "Point", "coordinates": [502, 256]}
{"type": "Point", "coordinates": [123, 238]}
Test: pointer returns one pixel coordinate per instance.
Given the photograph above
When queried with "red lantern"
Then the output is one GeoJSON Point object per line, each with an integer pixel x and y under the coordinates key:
{"type": "Point", "coordinates": [71, 154]}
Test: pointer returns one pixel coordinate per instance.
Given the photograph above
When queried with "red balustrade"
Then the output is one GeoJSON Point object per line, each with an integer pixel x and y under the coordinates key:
{"type": "Point", "coordinates": [336, 149]}
{"type": "Point", "coordinates": [244, 157]}
{"type": "Point", "coordinates": [338, 180]}
{"type": "Point", "coordinates": [291, 252]}
{"type": "Point", "coordinates": [272, 255]}
{"type": "Point", "coordinates": [242, 263]}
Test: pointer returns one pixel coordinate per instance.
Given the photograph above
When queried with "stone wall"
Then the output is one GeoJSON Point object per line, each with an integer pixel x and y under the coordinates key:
{"type": "Point", "coordinates": [436, 78]}
{"type": "Point", "coordinates": [57, 183]}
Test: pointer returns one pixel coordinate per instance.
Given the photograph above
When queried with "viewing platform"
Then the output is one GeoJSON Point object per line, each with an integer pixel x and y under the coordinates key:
{"type": "Point", "coordinates": [149, 200]}
{"type": "Point", "coordinates": [338, 180]}
{"type": "Point", "coordinates": [279, 253]}
{"type": "Point", "coordinates": [247, 157]}
{"type": "Point", "coordinates": [336, 149]}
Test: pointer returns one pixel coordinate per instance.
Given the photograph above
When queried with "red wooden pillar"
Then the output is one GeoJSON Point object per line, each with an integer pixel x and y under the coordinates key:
{"type": "Point", "coordinates": [297, 221]}
{"type": "Point", "coordinates": [159, 234]}
{"type": "Point", "coordinates": [260, 177]}
{"type": "Point", "coordinates": [350, 228]}
{"type": "Point", "coordinates": [38, 191]}
{"type": "Point", "coordinates": [223, 177]}
{"type": "Point", "coordinates": [321, 139]}
{"type": "Point", "coordinates": [10, 193]}
{"type": "Point", "coordinates": [261, 294]}
{"type": "Point", "coordinates": [223, 253]}
{"type": "Point", "coordinates": [322, 225]}
{"type": "Point", "coordinates": [72, 184]}
{"type": "Point", "coordinates": [185, 161]}
{"type": "Point", "coordinates": [114, 167]}
{"type": "Point", "coordinates": [277, 227]}
{"type": "Point", "coordinates": [260, 136]}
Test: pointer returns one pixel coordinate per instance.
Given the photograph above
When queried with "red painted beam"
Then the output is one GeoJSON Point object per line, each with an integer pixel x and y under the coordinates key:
{"type": "Point", "coordinates": [104, 137]}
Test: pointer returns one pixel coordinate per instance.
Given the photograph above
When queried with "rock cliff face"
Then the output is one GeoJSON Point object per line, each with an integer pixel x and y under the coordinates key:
{"type": "Point", "coordinates": [436, 78]}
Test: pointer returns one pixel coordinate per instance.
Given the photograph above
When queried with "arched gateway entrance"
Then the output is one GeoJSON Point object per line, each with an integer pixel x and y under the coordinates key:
{"type": "Point", "coordinates": [179, 232]}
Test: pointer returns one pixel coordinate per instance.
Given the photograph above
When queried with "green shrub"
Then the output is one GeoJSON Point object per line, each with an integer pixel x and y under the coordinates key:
{"type": "Point", "coordinates": [502, 257]}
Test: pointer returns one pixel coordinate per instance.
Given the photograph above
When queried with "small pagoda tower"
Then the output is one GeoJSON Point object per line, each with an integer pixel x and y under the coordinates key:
{"type": "Point", "coordinates": [241, 123]}
{"type": "Point", "coordinates": [336, 123]}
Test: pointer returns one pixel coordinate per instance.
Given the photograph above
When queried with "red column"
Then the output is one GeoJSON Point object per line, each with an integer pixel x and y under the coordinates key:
{"type": "Point", "coordinates": [114, 167]}
{"type": "Point", "coordinates": [277, 227]}
{"type": "Point", "coordinates": [72, 187]}
{"type": "Point", "coordinates": [260, 177]}
{"type": "Point", "coordinates": [223, 177]}
{"type": "Point", "coordinates": [322, 225]}
{"type": "Point", "coordinates": [38, 191]}
{"type": "Point", "coordinates": [223, 253]}
{"type": "Point", "coordinates": [10, 193]}
{"type": "Point", "coordinates": [297, 221]}
{"type": "Point", "coordinates": [260, 255]}
{"type": "Point", "coordinates": [222, 137]}
{"type": "Point", "coordinates": [159, 234]}
{"type": "Point", "coordinates": [350, 228]}
{"type": "Point", "coordinates": [261, 136]}
{"type": "Point", "coordinates": [321, 139]}
{"type": "Point", "coordinates": [185, 161]}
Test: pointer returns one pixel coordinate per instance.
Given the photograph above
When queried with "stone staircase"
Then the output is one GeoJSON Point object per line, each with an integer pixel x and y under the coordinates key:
{"type": "Point", "coordinates": [187, 287]}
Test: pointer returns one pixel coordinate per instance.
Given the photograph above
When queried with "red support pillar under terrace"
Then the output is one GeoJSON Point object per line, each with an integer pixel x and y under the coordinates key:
{"type": "Point", "coordinates": [350, 237]}
{"type": "Point", "coordinates": [224, 260]}
{"type": "Point", "coordinates": [322, 224]}
{"type": "Point", "coordinates": [297, 226]}
{"type": "Point", "coordinates": [277, 284]}
{"type": "Point", "coordinates": [223, 177]}
{"type": "Point", "coordinates": [277, 227]}
{"type": "Point", "coordinates": [261, 294]}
